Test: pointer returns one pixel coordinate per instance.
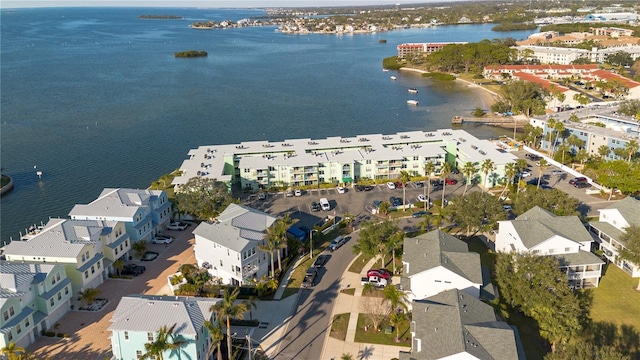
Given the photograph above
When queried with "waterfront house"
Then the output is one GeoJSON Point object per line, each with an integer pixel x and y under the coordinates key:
{"type": "Point", "coordinates": [145, 213]}
{"type": "Point", "coordinates": [229, 247]}
{"type": "Point", "coordinates": [86, 249]}
{"type": "Point", "coordinates": [33, 297]}
{"type": "Point", "coordinates": [138, 318]}
{"type": "Point", "coordinates": [610, 227]}
{"type": "Point", "coordinates": [436, 262]}
{"type": "Point", "coordinates": [258, 165]}
{"type": "Point", "coordinates": [540, 232]}
{"type": "Point", "coordinates": [455, 325]}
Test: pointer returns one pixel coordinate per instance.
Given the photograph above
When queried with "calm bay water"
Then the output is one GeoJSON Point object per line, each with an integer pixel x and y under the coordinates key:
{"type": "Point", "coordinates": [94, 97]}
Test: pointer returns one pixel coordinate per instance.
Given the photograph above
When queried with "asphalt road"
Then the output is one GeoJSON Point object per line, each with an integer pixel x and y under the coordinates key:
{"type": "Point", "coordinates": [306, 329]}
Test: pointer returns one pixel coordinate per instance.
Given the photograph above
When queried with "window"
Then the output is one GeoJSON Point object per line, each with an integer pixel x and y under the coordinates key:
{"type": "Point", "coordinates": [18, 329]}
{"type": "Point", "coordinates": [86, 274]}
{"type": "Point", "coordinates": [221, 263]}
{"type": "Point", "coordinates": [5, 315]}
{"type": "Point", "coordinates": [138, 354]}
{"type": "Point", "coordinates": [66, 290]}
{"type": "Point", "coordinates": [27, 322]}
{"type": "Point", "coordinates": [98, 265]}
{"type": "Point", "coordinates": [93, 269]}
{"type": "Point", "coordinates": [567, 249]}
{"type": "Point", "coordinates": [126, 335]}
{"type": "Point", "coordinates": [59, 296]}
{"type": "Point", "coordinates": [11, 311]}
{"type": "Point", "coordinates": [51, 302]}
{"type": "Point", "coordinates": [551, 251]}
{"type": "Point", "coordinates": [10, 336]}
{"type": "Point", "coordinates": [149, 336]}
{"type": "Point", "coordinates": [58, 277]}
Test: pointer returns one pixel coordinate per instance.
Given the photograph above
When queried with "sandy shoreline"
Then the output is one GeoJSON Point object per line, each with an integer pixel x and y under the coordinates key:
{"type": "Point", "coordinates": [488, 97]}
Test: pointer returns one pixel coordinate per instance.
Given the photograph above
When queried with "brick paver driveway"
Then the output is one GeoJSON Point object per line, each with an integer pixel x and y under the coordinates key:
{"type": "Point", "coordinates": [90, 338]}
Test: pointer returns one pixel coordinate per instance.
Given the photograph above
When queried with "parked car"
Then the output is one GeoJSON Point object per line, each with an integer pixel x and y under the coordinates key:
{"type": "Point", "coordinates": [423, 198]}
{"type": "Point", "coordinates": [579, 179]}
{"type": "Point", "coordinates": [557, 172]}
{"type": "Point", "coordinates": [324, 204]}
{"type": "Point", "coordinates": [506, 207]}
{"type": "Point", "coordinates": [533, 157]}
{"type": "Point", "coordinates": [451, 181]}
{"type": "Point", "coordinates": [321, 260]}
{"type": "Point", "coordinates": [381, 273]}
{"type": "Point", "coordinates": [297, 192]}
{"type": "Point", "coordinates": [419, 184]}
{"type": "Point", "coordinates": [373, 280]}
{"type": "Point", "coordinates": [581, 185]}
{"type": "Point", "coordinates": [315, 206]}
{"type": "Point", "coordinates": [289, 193]}
{"type": "Point", "coordinates": [368, 188]}
{"type": "Point", "coordinates": [419, 214]}
{"type": "Point", "coordinates": [358, 188]}
{"type": "Point", "coordinates": [309, 277]}
{"type": "Point", "coordinates": [162, 239]}
{"type": "Point", "coordinates": [391, 185]}
{"type": "Point", "coordinates": [342, 189]}
{"type": "Point", "coordinates": [133, 269]}
{"type": "Point", "coordinates": [336, 243]}
{"type": "Point", "coordinates": [376, 203]}
{"type": "Point", "coordinates": [523, 174]}
{"type": "Point", "coordinates": [398, 185]}
{"type": "Point", "coordinates": [262, 196]}
{"type": "Point", "coordinates": [395, 201]}
{"type": "Point", "coordinates": [177, 225]}
{"type": "Point", "coordinates": [149, 256]}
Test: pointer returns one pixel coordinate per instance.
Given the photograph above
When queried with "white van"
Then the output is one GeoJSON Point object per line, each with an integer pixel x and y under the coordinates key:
{"type": "Point", "coordinates": [336, 243]}
{"type": "Point", "coordinates": [324, 203]}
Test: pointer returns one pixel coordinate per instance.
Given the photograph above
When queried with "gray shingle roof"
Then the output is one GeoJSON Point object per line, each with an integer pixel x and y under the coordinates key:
{"type": "Point", "coordinates": [629, 208]}
{"type": "Point", "coordinates": [453, 321]}
{"type": "Point", "coordinates": [437, 248]}
{"type": "Point", "coordinates": [146, 313]}
{"type": "Point", "coordinates": [60, 238]}
{"type": "Point", "coordinates": [117, 203]}
{"type": "Point", "coordinates": [14, 276]}
{"type": "Point", "coordinates": [579, 258]}
{"type": "Point", "coordinates": [612, 231]}
{"type": "Point", "coordinates": [536, 213]}
{"type": "Point", "coordinates": [237, 226]}
{"type": "Point", "coordinates": [534, 231]}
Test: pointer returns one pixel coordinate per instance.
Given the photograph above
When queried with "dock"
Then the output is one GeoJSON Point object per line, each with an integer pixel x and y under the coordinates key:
{"type": "Point", "coordinates": [492, 120]}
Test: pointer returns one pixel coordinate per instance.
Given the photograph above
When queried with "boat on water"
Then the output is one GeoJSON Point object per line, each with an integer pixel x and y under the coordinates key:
{"type": "Point", "coordinates": [385, 70]}
{"type": "Point", "coordinates": [393, 78]}
{"type": "Point", "coordinates": [412, 91]}
{"type": "Point", "coordinates": [413, 102]}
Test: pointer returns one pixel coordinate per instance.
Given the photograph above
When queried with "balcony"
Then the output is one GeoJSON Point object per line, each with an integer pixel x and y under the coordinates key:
{"type": "Point", "coordinates": [248, 271]}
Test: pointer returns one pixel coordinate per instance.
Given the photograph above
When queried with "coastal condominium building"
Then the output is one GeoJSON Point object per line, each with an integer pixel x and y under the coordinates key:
{"type": "Point", "coordinates": [421, 48]}
{"type": "Point", "coordinates": [33, 297]}
{"type": "Point", "coordinates": [86, 249]}
{"type": "Point", "coordinates": [305, 162]}
{"type": "Point", "coordinates": [145, 213]}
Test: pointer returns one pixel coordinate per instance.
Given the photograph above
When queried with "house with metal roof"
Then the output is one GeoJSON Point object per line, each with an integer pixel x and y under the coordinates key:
{"type": "Point", "coordinates": [229, 247]}
{"type": "Point", "coordinates": [455, 325]}
{"type": "Point", "coordinates": [145, 213]}
{"type": "Point", "coordinates": [138, 318]}
{"type": "Point", "coordinates": [86, 248]}
{"type": "Point", "coordinates": [610, 227]}
{"type": "Point", "coordinates": [436, 262]}
{"type": "Point", "coordinates": [33, 297]}
{"type": "Point", "coordinates": [540, 232]}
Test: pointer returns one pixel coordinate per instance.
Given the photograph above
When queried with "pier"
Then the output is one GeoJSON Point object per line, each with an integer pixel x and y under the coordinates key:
{"type": "Point", "coordinates": [492, 120]}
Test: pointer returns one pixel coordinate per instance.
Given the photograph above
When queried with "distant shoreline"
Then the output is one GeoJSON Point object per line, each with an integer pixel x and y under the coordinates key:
{"type": "Point", "coordinates": [489, 97]}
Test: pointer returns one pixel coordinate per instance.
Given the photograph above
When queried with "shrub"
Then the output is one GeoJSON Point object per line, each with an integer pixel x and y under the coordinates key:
{"type": "Point", "coordinates": [60, 335]}
{"type": "Point", "coordinates": [440, 76]}
{"type": "Point", "coordinates": [50, 334]}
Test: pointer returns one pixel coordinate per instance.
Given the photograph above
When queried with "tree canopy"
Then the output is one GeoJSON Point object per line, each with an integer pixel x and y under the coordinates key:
{"type": "Point", "coordinates": [522, 97]}
{"type": "Point", "coordinates": [554, 200]}
{"type": "Point", "coordinates": [375, 238]}
{"type": "Point", "coordinates": [203, 198]}
{"type": "Point", "coordinates": [476, 211]}
{"type": "Point", "coordinates": [471, 57]}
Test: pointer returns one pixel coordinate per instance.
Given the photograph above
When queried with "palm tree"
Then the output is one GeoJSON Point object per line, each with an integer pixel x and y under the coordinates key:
{"type": "Point", "coordinates": [281, 228]}
{"type": "Point", "coordinates": [564, 147]}
{"type": "Point", "coordinates": [445, 170]}
{"type": "Point", "coordinates": [521, 164]}
{"type": "Point", "coordinates": [396, 318]}
{"type": "Point", "coordinates": [438, 216]}
{"type": "Point", "coordinates": [384, 207]}
{"type": "Point", "coordinates": [165, 340]}
{"type": "Point", "coordinates": [139, 247]}
{"type": "Point", "coordinates": [404, 179]}
{"type": "Point", "coordinates": [88, 295]}
{"type": "Point", "coordinates": [265, 284]}
{"type": "Point", "coordinates": [270, 244]}
{"type": "Point", "coordinates": [604, 150]}
{"type": "Point", "coordinates": [429, 168]}
{"type": "Point", "coordinates": [542, 165]}
{"type": "Point", "coordinates": [631, 148]}
{"type": "Point", "coordinates": [487, 167]}
{"type": "Point", "coordinates": [118, 265]}
{"type": "Point", "coordinates": [215, 332]}
{"type": "Point", "coordinates": [13, 352]}
{"type": "Point", "coordinates": [468, 170]}
{"type": "Point", "coordinates": [560, 129]}
{"type": "Point", "coordinates": [347, 217]}
{"type": "Point", "coordinates": [394, 242]}
{"type": "Point", "coordinates": [346, 356]}
{"type": "Point", "coordinates": [510, 172]}
{"type": "Point", "coordinates": [227, 309]}
{"type": "Point", "coordinates": [425, 223]}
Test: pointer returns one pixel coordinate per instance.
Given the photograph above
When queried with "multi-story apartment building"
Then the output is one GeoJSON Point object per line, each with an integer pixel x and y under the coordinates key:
{"type": "Point", "coordinates": [566, 56]}
{"type": "Point", "coordinates": [33, 297]}
{"type": "Point", "coordinates": [421, 48]}
{"type": "Point", "coordinates": [86, 249]}
{"type": "Point", "coordinates": [306, 162]}
{"type": "Point", "coordinates": [145, 213]}
{"type": "Point", "coordinates": [230, 247]}
{"type": "Point", "coordinates": [610, 227]}
{"type": "Point", "coordinates": [138, 319]}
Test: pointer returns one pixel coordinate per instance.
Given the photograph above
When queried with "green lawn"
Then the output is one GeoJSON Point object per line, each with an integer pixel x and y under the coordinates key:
{"type": "Point", "coordinates": [339, 326]}
{"type": "Point", "coordinates": [616, 300]}
{"type": "Point", "coordinates": [372, 337]}
{"type": "Point", "coordinates": [359, 263]}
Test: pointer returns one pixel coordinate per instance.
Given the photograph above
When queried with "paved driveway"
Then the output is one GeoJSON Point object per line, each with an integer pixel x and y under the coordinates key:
{"type": "Point", "coordinates": [90, 338]}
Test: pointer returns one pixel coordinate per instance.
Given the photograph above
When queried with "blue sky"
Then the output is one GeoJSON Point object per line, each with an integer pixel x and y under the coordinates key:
{"type": "Point", "coordinates": [200, 3]}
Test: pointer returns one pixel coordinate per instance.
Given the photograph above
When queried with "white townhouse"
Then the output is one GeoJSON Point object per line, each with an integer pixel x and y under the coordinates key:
{"type": "Point", "coordinates": [86, 249]}
{"type": "Point", "coordinates": [610, 227]}
{"type": "Point", "coordinates": [229, 246]}
{"type": "Point", "coordinates": [138, 318]}
{"type": "Point", "coordinates": [305, 162]}
{"type": "Point", "coordinates": [540, 232]}
{"type": "Point", "coordinates": [435, 262]}
{"type": "Point", "coordinates": [453, 325]}
{"type": "Point", "coordinates": [33, 297]}
{"type": "Point", "coordinates": [146, 213]}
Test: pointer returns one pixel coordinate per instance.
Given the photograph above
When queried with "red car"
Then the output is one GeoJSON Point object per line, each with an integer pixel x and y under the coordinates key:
{"type": "Point", "coordinates": [381, 273]}
{"type": "Point", "coordinates": [451, 181]}
{"type": "Point", "coordinates": [398, 185]}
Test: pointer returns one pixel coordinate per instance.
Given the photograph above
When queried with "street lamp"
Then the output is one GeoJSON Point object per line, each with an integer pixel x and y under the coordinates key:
{"type": "Point", "coordinates": [311, 244]}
